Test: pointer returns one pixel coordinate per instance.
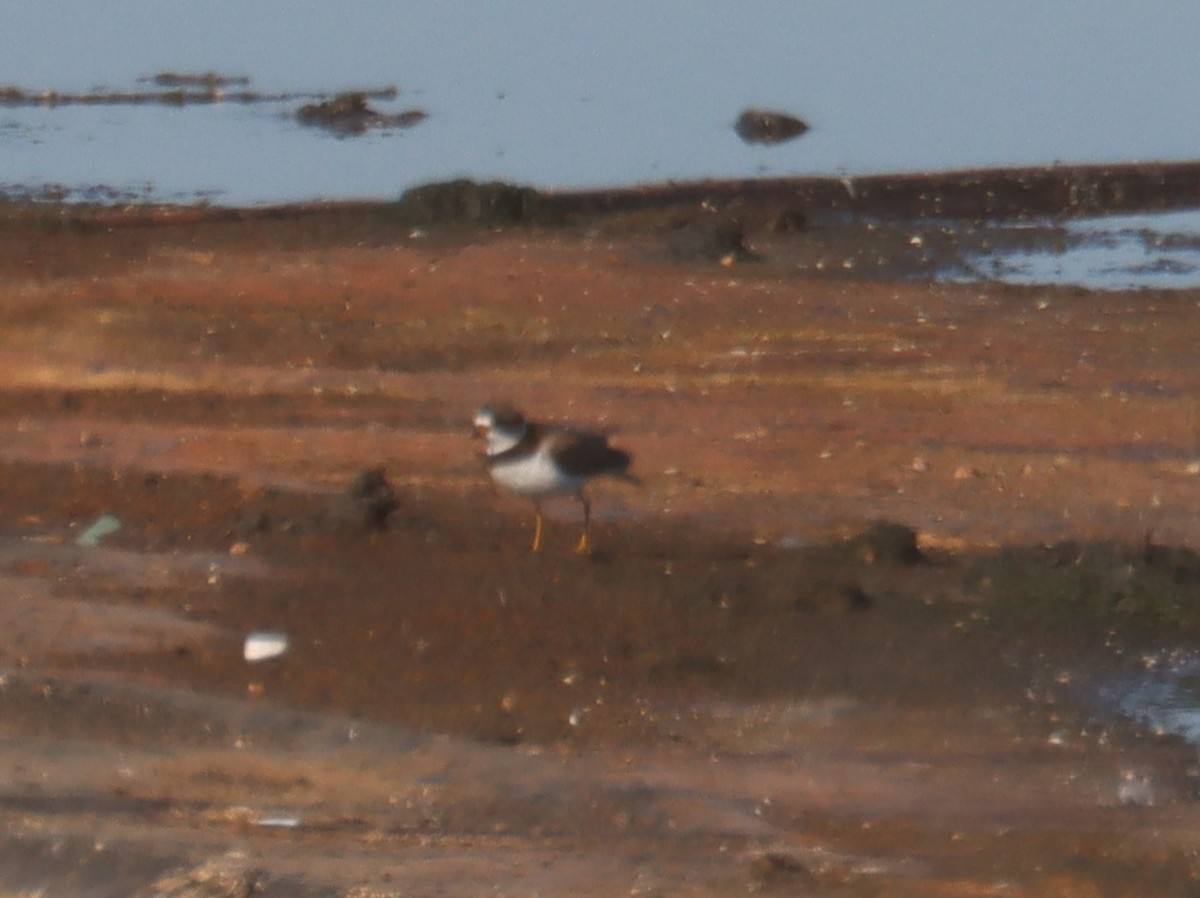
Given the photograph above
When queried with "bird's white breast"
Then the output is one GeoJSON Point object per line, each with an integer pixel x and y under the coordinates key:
{"type": "Point", "coordinates": [534, 475]}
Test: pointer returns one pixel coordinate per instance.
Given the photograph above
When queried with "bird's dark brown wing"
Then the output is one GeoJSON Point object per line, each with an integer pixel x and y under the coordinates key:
{"type": "Point", "coordinates": [582, 453]}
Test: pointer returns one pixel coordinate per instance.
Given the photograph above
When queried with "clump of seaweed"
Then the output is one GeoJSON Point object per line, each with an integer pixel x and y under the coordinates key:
{"type": "Point", "coordinates": [350, 114]}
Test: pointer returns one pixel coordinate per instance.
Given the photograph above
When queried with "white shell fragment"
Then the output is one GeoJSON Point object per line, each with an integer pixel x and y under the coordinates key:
{"type": "Point", "coordinates": [97, 530]}
{"type": "Point", "coordinates": [262, 645]}
{"type": "Point", "coordinates": [282, 821]}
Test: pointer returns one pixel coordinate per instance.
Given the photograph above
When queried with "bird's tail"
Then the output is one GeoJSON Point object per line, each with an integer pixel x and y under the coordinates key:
{"type": "Point", "coordinates": [620, 468]}
{"type": "Point", "coordinates": [629, 477]}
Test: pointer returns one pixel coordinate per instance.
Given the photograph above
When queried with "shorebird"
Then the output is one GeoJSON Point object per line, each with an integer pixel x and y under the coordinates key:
{"type": "Point", "coordinates": [541, 460]}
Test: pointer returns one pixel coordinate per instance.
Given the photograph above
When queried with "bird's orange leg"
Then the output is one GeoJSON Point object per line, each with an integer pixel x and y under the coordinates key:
{"type": "Point", "coordinates": [537, 530]}
{"type": "Point", "coordinates": [583, 547]}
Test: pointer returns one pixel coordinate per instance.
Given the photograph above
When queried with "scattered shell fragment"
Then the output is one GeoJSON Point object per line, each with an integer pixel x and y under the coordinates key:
{"type": "Point", "coordinates": [262, 645]}
{"type": "Point", "coordinates": [103, 526]}
{"type": "Point", "coordinates": [281, 822]}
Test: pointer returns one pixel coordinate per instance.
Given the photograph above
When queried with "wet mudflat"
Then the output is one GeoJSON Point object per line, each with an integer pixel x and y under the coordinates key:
{"type": "Point", "coordinates": [738, 692]}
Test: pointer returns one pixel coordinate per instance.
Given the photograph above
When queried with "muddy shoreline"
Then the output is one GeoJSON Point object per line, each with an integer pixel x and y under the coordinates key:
{"type": "Point", "coordinates": [1060, 190]}
{"type": "Point", "coordinates": [738, 691]}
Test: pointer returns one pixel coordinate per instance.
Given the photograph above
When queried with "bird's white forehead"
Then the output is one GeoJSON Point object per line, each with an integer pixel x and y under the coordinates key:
{"type": "Point", "coordinates": [485, 417]}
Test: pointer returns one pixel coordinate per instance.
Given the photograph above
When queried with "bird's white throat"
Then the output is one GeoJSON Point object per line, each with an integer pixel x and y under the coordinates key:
{"type": "Point", "coordinates": [499, 441]}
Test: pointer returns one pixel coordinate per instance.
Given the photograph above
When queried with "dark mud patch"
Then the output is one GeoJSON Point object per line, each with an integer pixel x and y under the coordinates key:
{"type": "Point", "coordinates": [1148, 589]}
{"type": "Point", "coordinates": [685, 695]}
{"type": "Point", "coordinates": [444, 620]}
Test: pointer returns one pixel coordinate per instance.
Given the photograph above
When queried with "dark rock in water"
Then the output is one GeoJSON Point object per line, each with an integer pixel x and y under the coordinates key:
{"type": "Point", "coordinates": [888, 543]}
{"type": "Point", "coordinates": [466, 202]}
{"type": "Point", "coordinates": [345, 113]}
{"type": "Point", "coordinates": [366, 503]}
{"type": "Point", "coordinates": [350, 114]}
{"type": "Point", "coordinates": [762, 126]}
{"type": "Point", "coordinates": [711, 239]}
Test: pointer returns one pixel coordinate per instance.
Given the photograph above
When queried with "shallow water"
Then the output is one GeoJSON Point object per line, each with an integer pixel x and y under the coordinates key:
{"type": "Point", "coordinates": [1120, 252]}
{"type": "Point", "coordinates": [1164, 695]}
{"type": "Point", "coordinates": [618, 94]}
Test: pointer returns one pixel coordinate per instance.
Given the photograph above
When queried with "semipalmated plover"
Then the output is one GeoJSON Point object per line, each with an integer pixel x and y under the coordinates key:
{"type": "Point", "coordinates": [540, 460]}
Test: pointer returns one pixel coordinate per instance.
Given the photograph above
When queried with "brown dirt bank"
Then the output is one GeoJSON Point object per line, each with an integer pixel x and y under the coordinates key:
{"type": "Point", "coordinates": [1061, 189]}
{"type": "Point", "coordinates": [725, 697]}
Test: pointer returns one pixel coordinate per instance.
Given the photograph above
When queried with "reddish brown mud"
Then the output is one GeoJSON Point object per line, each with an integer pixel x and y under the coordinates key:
{"type": "Point", "coordinates": [726, 697]}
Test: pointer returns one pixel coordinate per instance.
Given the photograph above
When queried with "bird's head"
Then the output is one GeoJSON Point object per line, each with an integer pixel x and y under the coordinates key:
{"type": "Point", "coordinates": [500, 426]}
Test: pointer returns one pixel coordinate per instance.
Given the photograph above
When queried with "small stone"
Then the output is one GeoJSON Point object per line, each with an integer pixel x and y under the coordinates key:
{"type": "Point", "coordinates": [366, 503]}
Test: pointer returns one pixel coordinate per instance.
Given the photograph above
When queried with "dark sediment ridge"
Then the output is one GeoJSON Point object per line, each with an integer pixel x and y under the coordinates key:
{"type": "Point", "coordinates": [977, 194]}
{"type": "Point", "coordinates": [968, 193]}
